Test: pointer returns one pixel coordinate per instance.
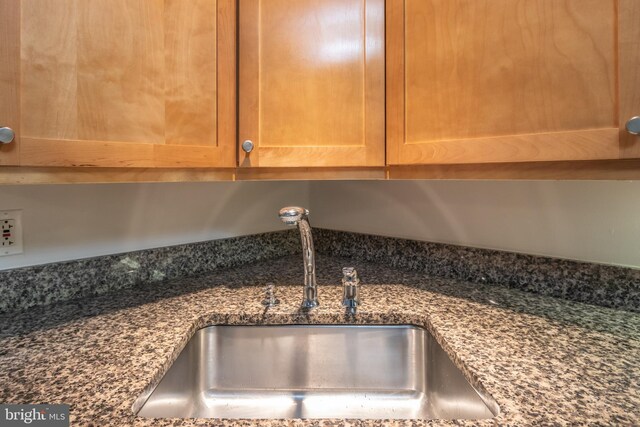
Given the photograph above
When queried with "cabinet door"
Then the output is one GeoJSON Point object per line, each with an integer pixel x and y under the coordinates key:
{"type": "Point", "coordinates": [121, 83]}
{"type": "Point", "coordinates": [312, 82]}
{"type": "Point", "coordinates": [480, 81]}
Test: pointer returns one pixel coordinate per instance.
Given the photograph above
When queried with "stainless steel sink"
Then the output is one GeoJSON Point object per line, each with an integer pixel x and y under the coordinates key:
{"type": "Point", "coordinates": [358, 372]}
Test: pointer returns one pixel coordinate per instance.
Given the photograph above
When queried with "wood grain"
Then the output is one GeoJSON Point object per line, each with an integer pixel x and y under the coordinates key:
{"type": "Point", "coordinates": [102, 80]}
{"type": "Point", "coordinates": [174, 156]}
{"type": "Point", "coordinates": [571, 170]}
{"type": "Point", "coordinates": [629, 64]}
{"type": "Point", "coordinates": [10, 78]}
{"type": "Point", "coordinates": [311, 72]}
{"type": "Point", "coordinates": [500, 81]}
{"type": "Point", "coordinates": [576, 145]}
{"type": "Point", "coordinates": [314, 173]}
{"type": "Point", "coordinates": [88, 175]}
{"type": "Point", "coordinates": [317, 156]}
{"type": "Point", "coordinates": [227, 85]}
{"type": "Point", "coordinates": [191, 66]}
{"type": "Point", "coordinates": [312, 75]}
{"type": "Point", "coordinates": [481, 68]}
{"type": "Point", "coordinates": [49, 86]}
{"type": "Point", "coordinates": [121, 71]}
{"type": "Point", "coordinates": [248, 79]}
{"type": "Point", "coordinates": [395, 80]}
{"type": "Point", "coordinates": [374, 88]}
{"type": "Point", "coordinates": [85, 153]}
{"type": "Point", "coordinates": [152, 84]}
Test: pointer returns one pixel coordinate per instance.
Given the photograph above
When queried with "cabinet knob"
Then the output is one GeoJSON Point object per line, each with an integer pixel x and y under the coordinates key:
{"type": "Point", "coordinates": [7, 135]}
{"type": "Point", "coordinates": [247, 146]}
{"type": "Point", "coordinates": [633, 125]}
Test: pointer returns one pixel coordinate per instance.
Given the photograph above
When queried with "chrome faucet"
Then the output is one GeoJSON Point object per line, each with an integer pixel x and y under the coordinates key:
{"type": "Point", "coordinates": [296, 216]}
{"type": "Point", "coordinates": [350, 294]}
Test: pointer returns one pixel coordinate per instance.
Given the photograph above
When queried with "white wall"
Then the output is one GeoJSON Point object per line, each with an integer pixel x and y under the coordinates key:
{"type": "Point", "coordinates": [63, 222]}
{"type": "Point", "coordinates": [589, 221]}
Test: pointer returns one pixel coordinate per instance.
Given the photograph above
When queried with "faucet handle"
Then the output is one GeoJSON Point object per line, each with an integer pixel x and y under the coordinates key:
{"type": "Point", "coordinates": [350, 282]}
{"type": "Point", "coordinates": [270, 299]}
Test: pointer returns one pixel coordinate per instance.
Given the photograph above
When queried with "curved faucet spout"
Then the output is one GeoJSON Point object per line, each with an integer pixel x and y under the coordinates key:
{"type": "Point", "coordinates": [296, 216]}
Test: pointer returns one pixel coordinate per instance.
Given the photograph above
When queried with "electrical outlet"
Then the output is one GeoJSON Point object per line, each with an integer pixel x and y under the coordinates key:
{"type": "Point", "coordinates": [10, 232]}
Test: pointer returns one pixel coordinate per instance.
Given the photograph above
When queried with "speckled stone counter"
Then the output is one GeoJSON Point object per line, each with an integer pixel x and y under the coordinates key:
{"type": "Point", "coordinates": [545, 361]}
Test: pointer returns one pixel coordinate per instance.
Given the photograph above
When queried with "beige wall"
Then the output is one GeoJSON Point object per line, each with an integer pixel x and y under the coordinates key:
{"type": "Point", "coordinates": [63, 222]}
{"type": "Point", "coordinates": [590, 221]}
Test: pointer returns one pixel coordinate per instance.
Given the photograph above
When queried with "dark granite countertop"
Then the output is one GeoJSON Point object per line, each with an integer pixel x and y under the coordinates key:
{"type": "Point", "coordinates": [544, 360]}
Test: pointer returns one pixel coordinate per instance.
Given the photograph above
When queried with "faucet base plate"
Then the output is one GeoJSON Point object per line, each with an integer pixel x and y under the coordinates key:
{"type": "Point", "coordinates": [310, 304]}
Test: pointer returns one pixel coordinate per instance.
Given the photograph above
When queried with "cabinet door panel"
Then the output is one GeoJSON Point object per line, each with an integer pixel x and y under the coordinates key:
{"type": "Point", "coordinates": [312, 82]}
{"type": "Point", "coordinates": [120, 71]}
{"type": "Point", "coordinates": [502, 81]}
{"type": "Point", "coordinates": [49, 62]}
{"type": "Point", "coordinates": [191, 86]}
{"type": "Point", "coordinates": [127, 83]}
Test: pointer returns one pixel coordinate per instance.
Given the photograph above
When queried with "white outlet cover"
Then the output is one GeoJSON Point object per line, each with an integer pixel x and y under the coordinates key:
{"type": "Point", "coordinates": [15, 216]}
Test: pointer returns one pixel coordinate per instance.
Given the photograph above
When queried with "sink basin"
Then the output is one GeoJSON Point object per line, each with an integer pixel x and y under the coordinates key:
{"type": "Point", "coordinates": [357, 372]}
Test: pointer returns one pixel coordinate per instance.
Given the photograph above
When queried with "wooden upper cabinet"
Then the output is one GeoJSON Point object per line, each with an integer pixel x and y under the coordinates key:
{"type": "Point", "coordinates": [120, 83]}
{"type": "Point", "coordinates": [311, 82]}
{"type": "Point", "coordinates": [480, 81]}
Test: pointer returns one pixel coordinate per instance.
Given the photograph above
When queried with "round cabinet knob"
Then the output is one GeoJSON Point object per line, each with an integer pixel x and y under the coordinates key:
{"type": "Point", "coordinates": [247, 146]}
{"type": "Point", "coordinates": [7, 135]}
{"type": "Point", "coordinates": [633, 125]}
